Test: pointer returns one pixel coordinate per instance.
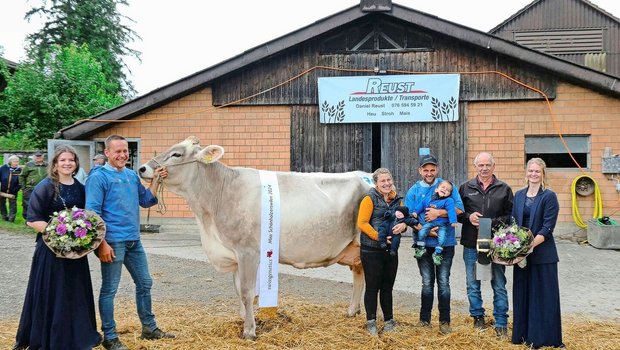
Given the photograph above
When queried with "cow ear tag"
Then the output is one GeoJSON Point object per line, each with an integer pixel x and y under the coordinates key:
{"type": "Point", "coordinates": [210, 154]}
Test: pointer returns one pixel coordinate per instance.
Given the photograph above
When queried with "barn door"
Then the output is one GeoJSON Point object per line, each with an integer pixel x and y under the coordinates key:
{"type": "Point", "coordinates": [330, 148]}
{"type": "Point", "coordinates": [401, 142]}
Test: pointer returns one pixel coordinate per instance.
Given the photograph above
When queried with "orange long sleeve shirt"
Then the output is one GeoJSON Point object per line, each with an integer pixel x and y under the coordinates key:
{"type": "Point", "coordinates": [364, 215]}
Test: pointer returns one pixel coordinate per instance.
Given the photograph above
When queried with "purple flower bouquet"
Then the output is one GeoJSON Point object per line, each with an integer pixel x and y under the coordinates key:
{"type": "Point", "coordinates": [511, 245]}
{"type": "Point", "coordinates": [73, 233]}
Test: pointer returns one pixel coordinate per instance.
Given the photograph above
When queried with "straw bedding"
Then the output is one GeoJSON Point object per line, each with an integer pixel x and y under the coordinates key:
{"type": "Point", "coordinates": [302, 324]}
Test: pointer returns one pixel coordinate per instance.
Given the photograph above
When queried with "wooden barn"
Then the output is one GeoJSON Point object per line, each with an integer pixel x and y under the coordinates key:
{"type": "Point", "coordinates": [574, 30]}
{"type": "Point", "coordinates": [263, 107]}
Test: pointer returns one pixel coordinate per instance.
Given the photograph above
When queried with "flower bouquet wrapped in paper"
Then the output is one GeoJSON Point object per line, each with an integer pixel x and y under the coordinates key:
{"type": "Point", "coordinates": [511, 245]}
{"type": "Point", "coordinates": [73, 233]}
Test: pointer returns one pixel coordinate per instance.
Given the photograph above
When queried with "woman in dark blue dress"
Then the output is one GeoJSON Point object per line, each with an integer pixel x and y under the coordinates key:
{"type": "Point", "coordinates": [537, 320]}
{"type": "Point", "coordinates": [59, 308]}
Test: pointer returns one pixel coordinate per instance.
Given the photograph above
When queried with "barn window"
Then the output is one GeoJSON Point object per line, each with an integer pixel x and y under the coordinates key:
{"type": "Point", "coordinates": [377, 36]}
{"type": "Point", "coordinates": [558, 42]}
{"type": "Point", "coordinates": [552, 150]}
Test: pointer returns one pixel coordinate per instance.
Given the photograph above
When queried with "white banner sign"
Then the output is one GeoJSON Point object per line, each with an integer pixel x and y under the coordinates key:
{"type": "Point", "coordinates": [269, 240]}
{"type": "Point", "coordinates": [389, 98]}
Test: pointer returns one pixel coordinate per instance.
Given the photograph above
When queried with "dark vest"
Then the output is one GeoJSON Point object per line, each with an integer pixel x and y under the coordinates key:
{"type": "Point", "coordinates": [377, 217]}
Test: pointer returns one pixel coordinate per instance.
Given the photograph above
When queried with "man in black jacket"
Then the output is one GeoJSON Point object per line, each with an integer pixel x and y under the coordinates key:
{"type": "Point", "coordinates": [487, 197]}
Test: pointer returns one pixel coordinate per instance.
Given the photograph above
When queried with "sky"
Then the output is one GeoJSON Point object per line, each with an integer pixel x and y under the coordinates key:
{"type": "Point", "coordinates": [182, 37]}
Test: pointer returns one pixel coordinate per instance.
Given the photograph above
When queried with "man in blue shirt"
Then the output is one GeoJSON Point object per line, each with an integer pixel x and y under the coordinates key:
{"type": "Point", "coordinates": [428, 270]}
{"type": "Point", "coordinates": [116, 193]}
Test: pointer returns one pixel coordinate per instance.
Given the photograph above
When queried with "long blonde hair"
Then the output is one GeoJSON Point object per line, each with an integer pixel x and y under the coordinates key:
{"type": "Point", "coordinates": [543, 167]}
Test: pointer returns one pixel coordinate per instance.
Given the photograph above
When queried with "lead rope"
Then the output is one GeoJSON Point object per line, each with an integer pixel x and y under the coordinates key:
{"type": "Point", "coordinates": [161, 206]}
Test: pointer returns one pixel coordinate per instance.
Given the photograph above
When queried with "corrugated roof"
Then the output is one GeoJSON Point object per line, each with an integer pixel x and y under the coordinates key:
{"type": "Point", "coordinates": [530, 5]}
{"type": "Point", "coordinates": [187, 85]}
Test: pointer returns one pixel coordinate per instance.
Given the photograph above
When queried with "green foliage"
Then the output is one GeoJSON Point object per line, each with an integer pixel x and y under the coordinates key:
{"type": "Point", "coordinates": [44, 96]}
{"type": "Point", "coordinates": [96, 23]}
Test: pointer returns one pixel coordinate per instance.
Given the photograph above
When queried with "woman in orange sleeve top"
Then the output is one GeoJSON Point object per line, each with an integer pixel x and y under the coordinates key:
{"type": "Point", "coordinates": [379, 266]}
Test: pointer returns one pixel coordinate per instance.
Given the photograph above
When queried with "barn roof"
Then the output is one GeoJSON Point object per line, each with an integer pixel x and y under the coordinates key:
{"type": "Point", "coordinates": [9, 63]}
{"type": "Point", "coordinates": [533, 3]}
{"type": "Point", "coordinates": [572, 72]}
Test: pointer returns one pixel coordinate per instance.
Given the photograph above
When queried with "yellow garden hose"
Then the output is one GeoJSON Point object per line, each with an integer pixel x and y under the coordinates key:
{"type": "Point", "coordinates": [598, 202]}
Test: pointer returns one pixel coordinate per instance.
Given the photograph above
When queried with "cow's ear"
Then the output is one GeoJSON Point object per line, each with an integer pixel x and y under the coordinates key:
{"type": "Point", "coordinates": [210, 154]}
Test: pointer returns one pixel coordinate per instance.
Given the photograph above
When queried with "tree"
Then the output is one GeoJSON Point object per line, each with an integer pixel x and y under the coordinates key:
{"type": "Point", "coordinates": [96, 23]}
{"type": "Point", "coordinates": [43, 96]}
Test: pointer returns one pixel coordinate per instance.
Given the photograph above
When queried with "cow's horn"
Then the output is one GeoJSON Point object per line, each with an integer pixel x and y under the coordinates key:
{"type": "Point", "coordinates": [193, 139]}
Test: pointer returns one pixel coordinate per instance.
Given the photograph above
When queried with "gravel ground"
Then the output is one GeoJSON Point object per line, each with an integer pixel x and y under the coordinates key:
{"type": "Point", "coordinates": [588, 278]}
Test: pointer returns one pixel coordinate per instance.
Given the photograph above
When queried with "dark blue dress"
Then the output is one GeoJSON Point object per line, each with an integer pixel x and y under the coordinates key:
{"type": "Point", "coordinates": [59, 308]}
{"type": "Point", "coordinates": [537, 320]}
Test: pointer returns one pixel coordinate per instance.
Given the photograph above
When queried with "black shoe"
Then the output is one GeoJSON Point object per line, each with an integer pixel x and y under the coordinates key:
{"type": "Point", "coordinates": [114, 344]}
{"type": "Point", "coordinates": [479, 322]}
{"type": "Point", "coordinates": [16, 346]}
{"type": "Point", "coordinates": [156, 334]}
{"type": "Point", "coordinates": [501, 332]}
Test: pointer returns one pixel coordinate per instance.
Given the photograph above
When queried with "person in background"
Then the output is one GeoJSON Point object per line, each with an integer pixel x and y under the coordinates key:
{"type": "Point", "coordinates": [485, 196]}
{"type": "Point", "coordinates": [116, 194]}
{"type": "Point", "coordinates": [9, 186]}
{"type": "Point", "coordinates": [59, 307]}
{"type": "Point", "coordinates": [430, 272]}
{"type": "Point", "coordinates": [81, 175]}
{"type": "Point", "coordinates": [537, 320]}
{"type": "Point", "coordinates": [98, 161]}
{"type": "Point", "coordinates": [379, 265]}
{"type": "Point", "coordinates": [32, 174]}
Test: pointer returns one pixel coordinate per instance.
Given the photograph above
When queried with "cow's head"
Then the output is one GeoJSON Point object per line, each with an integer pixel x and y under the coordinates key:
{"type": "Point", "coordinates": [180, 159]}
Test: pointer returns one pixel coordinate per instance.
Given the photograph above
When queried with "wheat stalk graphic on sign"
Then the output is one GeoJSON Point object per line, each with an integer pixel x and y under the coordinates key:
{"type": "Point", "coordinates": [333, 114]}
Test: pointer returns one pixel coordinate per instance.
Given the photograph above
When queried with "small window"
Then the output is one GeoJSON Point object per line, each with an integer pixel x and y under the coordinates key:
{"type": "Point", "coordinates": [552, 150]}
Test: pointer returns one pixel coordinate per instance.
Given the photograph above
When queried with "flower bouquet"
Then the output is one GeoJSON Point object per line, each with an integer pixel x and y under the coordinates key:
{"type": "Point", "coordinates": [511, 245]}
{"type": "Point", "coordinates": [73, 233]}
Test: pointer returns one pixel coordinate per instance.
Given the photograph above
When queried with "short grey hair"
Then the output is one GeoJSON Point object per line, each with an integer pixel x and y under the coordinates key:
{"type": "Point", "coordinates": [12, 158]}
{"type": "Point", "coordinates": [485, 154]}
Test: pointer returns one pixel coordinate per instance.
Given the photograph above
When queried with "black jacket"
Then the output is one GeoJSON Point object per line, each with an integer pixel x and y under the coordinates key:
{"type": "Point", "coordinates": [495, 203]}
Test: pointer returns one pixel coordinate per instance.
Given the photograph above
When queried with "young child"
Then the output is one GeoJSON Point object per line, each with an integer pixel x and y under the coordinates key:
{"type": "Point", "coordinates": [401, 214]}
{"type": "Point", "coordinates": [439, 200]}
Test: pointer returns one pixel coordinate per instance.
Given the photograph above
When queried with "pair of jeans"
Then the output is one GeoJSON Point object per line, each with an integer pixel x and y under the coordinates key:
{"type": "Point", "coordinates": [441, 274]}
{"type": "Point", "coordinates": [498, 283]}
{"type": "Point", "coordinates": [132, 255]}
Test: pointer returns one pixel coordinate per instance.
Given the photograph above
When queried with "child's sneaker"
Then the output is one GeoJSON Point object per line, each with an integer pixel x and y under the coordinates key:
{"type": "Point", "coordinates": [393, 253]}
{"type": "Point", "coordinates": [437, 259]}
{"type": "Point", "coordinates": [419, 252]}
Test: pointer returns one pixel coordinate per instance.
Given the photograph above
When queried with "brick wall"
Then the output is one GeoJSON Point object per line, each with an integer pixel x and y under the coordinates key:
{"type": "Point", "coordinates": [257, 137]}
{"type": "Point", "coordinates": [500, 127]}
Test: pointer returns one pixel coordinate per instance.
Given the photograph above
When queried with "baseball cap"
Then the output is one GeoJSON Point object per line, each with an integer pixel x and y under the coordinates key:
{"type": "Point", "coordinates": [428, 159]}
{"type": "Point", "coordinates": [38, 153]}
{"type": "Point", "coordinates": [98, 156]}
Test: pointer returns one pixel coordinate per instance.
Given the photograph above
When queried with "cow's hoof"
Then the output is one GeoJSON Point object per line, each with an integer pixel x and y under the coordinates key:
{"type": "Point", "coordinates": [354, 313]}
{"type": "Point", "coordinates": [251, 337]}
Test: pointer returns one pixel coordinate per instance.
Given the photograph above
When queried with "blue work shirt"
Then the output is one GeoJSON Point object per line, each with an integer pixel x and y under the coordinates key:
{"type": "Point", "coordinates": [116, 196]}
{"type": "Point", "coordinates": [418, 192]}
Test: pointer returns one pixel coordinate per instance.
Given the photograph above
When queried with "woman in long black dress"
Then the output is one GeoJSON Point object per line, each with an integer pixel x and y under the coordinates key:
{"type": "Point", "coordinates": [59, 308]}
{"type": "Point", "coordinates": [537, 320]}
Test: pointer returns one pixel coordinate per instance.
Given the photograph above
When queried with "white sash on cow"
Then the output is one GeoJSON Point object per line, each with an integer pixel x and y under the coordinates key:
{"type": "Point", "coordinates": [269, 240]}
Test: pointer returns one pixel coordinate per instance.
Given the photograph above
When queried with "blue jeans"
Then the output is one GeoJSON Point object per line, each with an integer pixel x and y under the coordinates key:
{"type": "Point", "coordinates": [132, 255]}
{"type": "Point", "coordinates": [442, 232]}
{"type": "Point", "coordinates": [440, 273]}
{"type": "Point", "coordinates": [498, 283]}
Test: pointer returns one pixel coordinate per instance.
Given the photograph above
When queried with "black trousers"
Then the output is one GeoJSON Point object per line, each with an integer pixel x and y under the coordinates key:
{"type": "Point", "coordinates": [380, 273]}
